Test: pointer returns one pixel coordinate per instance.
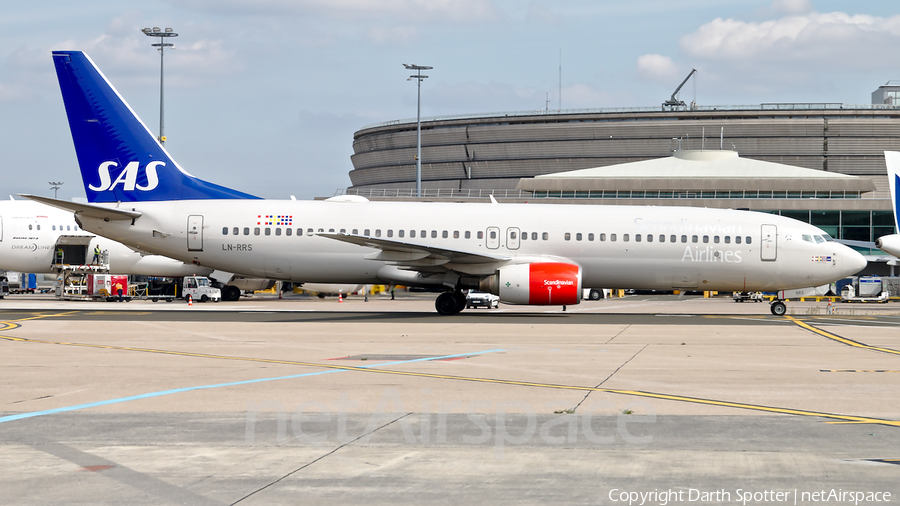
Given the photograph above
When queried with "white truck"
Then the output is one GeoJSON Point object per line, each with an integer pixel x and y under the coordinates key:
{"type": "Point", "coordinates": [199, 289]}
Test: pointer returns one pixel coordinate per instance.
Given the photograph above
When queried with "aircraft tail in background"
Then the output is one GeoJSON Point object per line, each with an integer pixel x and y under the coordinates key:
{"type": "Point", "coordinates": [120, 160]}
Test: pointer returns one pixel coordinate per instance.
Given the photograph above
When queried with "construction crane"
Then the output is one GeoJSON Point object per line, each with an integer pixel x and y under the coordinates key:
{"type": "Point", "coordinates": [674, 102]}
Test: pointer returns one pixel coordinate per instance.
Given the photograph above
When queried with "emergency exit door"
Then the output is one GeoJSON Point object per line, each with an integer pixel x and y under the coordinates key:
{"type": "Point", "coordinates": [195, 233]}
{"type": "Point", "coordinates": [768, 244]}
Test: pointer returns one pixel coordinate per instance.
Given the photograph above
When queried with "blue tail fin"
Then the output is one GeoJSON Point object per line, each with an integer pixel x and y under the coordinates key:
{"type": "Point", "coordinates": [120, 160]}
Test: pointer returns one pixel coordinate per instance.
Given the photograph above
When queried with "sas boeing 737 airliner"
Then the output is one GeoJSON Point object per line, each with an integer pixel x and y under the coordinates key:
{"type": "Point", "coordinates": [539, 254]}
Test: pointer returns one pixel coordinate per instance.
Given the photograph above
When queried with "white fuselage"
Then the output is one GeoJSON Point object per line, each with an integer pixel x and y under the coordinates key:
{"type": "Point", "coordinates": [690, 248]}
{"type": "Point", "coordinates": [30, 233]}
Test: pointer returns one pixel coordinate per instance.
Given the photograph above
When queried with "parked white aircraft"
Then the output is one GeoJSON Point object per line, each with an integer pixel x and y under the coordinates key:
{"type": "Point", "coordinates": [32, 235]}
{"type": "Point", "coordinates": [525, 253]}
{"type": "Point", "coordinates": [891, 243]}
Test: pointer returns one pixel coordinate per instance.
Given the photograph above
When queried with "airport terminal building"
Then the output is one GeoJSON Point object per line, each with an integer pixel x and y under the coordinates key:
{"type": "Point", "coordinates": [518, 157]}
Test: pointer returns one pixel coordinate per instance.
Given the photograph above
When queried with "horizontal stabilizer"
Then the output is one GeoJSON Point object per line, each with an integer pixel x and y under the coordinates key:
{"type": "Point", "coordinates": [91, 210]}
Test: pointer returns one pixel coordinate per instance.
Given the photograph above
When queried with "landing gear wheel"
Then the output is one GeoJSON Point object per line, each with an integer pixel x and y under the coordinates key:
{"type": "Point", "coordinates": [595, 294]}
{"type": "Point", "coordinates": [460, 301]}
{"type": "Point", "coordinates": [778, 308]}
{"type": "Point", "coordinates": [231, 293]}
{"type": "Point", "coordinates": [447, 304]}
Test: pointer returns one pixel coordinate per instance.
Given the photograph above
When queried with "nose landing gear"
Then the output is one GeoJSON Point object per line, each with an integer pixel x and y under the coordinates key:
{"type": "Point", "coordinates": [778, 307]}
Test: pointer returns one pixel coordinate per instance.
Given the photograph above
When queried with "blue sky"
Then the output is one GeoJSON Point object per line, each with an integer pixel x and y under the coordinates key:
{"type": "Point", "coordinates": [265, 95]}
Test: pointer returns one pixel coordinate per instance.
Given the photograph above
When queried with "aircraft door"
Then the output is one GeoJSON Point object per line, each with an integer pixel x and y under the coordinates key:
{"type": "Point", "coordinates": [512, 238]}
{"type": "Point", "coordinates": [492, 238]}
{"type": "Point", "coordinates": [768, 244]}
{"type": "Point", "coordinates": [195, 233]}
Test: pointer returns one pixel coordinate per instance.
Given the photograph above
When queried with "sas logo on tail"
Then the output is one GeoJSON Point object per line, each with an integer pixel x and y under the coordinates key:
{"type": "Point", "coordinates": [127, 178]}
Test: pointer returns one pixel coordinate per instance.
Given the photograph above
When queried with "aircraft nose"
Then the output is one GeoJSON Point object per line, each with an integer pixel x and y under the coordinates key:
{"type": "Point", "coordinates": [854, 261]}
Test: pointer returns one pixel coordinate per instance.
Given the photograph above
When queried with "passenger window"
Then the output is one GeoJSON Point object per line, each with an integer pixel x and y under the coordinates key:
{"type": "Point", "coordinates": [673, 238]}
{"type": "Point", "coordinates": [246, 230]}
{"type": "Point", "coordinates": [602, 237]}
{"type": "Point", "coordinates": [684, 238]}
{"type": "Point", "coordinates": [377, 232]}
{"type": "Point", "coordinates": [578, 236]}
{"type": "Point", "coordinates": [412, 234]}
{"type": "Point", "coordinates": [480, 234]}
{"type": "Point", "coordinates": [512, 235]}
{"type": "Point", "coordinates": [330, 230]}
{"type": "Point", "coordinates": [444, 234]}
{"type": "Point", "coordinates": [268, 231]}
{"type": "Point", "coordinates": [224, 230]}
{"type": "Point", "coordinates": [390, 233]}
{"type": "Point", "coordinates": [456, 234]}
{"type": "Point", "coordinates": [534, 236]}
{"type": "Point", "coordinates": [612, 237]}
{"type": "Point", "coordinates": [288, 231]}
{"type": "Point", "coordinates": [366, 232]}
{"type": "Point", "coordinates": [650, 237]}
{"type": "Point", "coordinates": [468, 234]}
{"type": "Point", "coordinates": [434, 234]}
{"type": "Point", "coordinates": [624, 237]}
{"type": "Point", "coordinates": [568, 236]}
{"type": "Point", "coordinates": [545, 236]}
{"type": "Point", "coordinates": [310, 231]}
{"type": "Point", "coordinates": [236, 231]}
{"type": "Point", "coordinates": [299, 232]}
{"type": "Point", "coordinates": [637, 237]}
{"type": "Point", "coordinates": [524, 236]}
{"type": "Point", "coordinates": [400, 232]}
{"type": "Point", "coordinates": [355, 231]}
{"type": "Point", "coordinates": [343, 230]}
{"type": "Point", "coordinates": [590, 237]}
{"type": "Point", "coordinates": [748, 240]}
{"type": "Point", "coordinates": [694, 238]}
{"type": "Point", "coordinates": [705, 239]}
{"type": "Point", "coordinates": [716, 239]}
{"type": "Point", "coordinates": [727, 239]}
{"type": "Point", "coordinates": [277, 231]}
{"type": "Point", "coordinates": [493, 234]}
{"type": "Point", "coordinates": [256, 231]}
{"type": "Point", "coordinates": [737, 239]}
{"type": "Point", "coordinates": [423, 234]}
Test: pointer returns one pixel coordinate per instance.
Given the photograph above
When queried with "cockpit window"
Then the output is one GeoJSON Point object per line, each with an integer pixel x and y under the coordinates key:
{"type": "Point", "coordinates": [819, 239]}
{"type": "Point", "coordinates": [828, 238]}
{"type": "Point", "coordinates": [807, 238]}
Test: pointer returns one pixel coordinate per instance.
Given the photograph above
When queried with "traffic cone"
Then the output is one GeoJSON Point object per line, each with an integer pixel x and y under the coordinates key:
{"type": "Point", "coordinates": [340, 297]}
{"type": "Point", "coordinates": [190, 300]}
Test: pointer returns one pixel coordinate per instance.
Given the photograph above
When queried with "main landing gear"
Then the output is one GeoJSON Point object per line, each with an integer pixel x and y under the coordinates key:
{"type": "Point", "coordinates": [778, 307]}
{"type": "Point", "coordinates": [450, 303]}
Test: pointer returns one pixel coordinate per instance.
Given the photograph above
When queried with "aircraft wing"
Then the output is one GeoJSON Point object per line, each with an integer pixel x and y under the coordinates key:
{"type": "Point", "coordinates": [414, 255]}
{"type": "Point", "coordinates": [91, 210]}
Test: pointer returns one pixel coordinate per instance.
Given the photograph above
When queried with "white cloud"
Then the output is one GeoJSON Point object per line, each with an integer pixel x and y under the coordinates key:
{"type": "Point", "coordinates": [539, 14]}
{"type": "Point", "coordinates": [657, 67]}
{"type": "Point", "coordinates": [856, 40]}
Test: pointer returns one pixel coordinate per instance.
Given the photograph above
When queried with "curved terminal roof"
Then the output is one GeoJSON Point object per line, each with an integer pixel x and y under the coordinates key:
{"type": "Point", "coordinates": [698, 170]}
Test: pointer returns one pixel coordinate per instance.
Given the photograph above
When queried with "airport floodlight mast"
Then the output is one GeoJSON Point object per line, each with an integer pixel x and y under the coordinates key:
{"type": "Point", "coordinates": [418, 77]}
{"type": "Point", "coordinates": [55, 186]}
{"type": "Point", "coordinates": [162, 34]}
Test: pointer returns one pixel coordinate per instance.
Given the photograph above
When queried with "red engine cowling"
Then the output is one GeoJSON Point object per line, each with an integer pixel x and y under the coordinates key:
{"type": "Point", "coordinates": [538, 284]}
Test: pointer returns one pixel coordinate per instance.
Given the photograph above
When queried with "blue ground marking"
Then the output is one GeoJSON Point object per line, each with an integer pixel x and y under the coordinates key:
{"type": "Point", "coordinates": [20, 416]}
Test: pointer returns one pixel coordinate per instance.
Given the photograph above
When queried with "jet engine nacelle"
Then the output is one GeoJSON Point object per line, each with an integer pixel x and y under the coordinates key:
{"type": "Point", "coordinates": [537, 284]}
{"type": "Point", "coordinates": [889, 244]}
{"type": "Point", "coordinates": [251, 284]}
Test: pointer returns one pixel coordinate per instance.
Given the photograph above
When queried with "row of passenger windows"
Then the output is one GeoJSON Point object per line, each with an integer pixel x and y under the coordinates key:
{"type": "Point", "coordinates": [493, 234]}
{"type": "Point", "coordinates": [445, 234]}
{"type": "Point", "coordinates": [662, 238]}
{"type": "Point", "coordinates": [61, 227]}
